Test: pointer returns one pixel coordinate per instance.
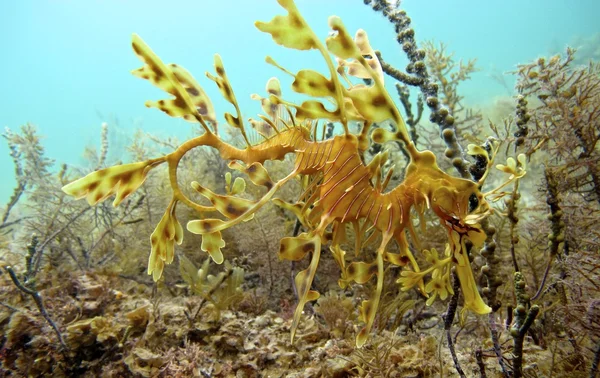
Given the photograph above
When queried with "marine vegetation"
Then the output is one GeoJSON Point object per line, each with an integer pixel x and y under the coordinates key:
{"type": "Point", "coordinates": [397, 226]}
{"type": "Point", "coordinates": [341, 188]}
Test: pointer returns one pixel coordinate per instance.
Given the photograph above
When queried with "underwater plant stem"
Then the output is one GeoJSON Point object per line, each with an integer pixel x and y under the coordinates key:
{"type": "Point", "coordinates": [496, 343]}
{"type": "Point", "coordinates": [514, 219]}
{"type": "Point", "coordinates": [449, 319]}
{"type": "Point", "coordinates": [18, 192]}
{"type": "Point", "coordinates": [479, 358]}
{"type": "Point", "coordinates": [39, 303]}
{"type": "Point", "coordinates": [9, 307]}
{"type": "Point", "coordinates": [40, 248]}
{"type": "Point", "coordinates": [544, 277]}
{"type": "Point", "coordinates": [397, 74]}
{"type": "Point", "coordinates": [268, 249]}
{"type": "Point", "coordinates": [523, 321]}
{"type": "Point", "coordinates": [557, 226]}
{"type": "Point", "coordinates": [208, 295]}
{"type": "Point", "coordinates": [595, 362]}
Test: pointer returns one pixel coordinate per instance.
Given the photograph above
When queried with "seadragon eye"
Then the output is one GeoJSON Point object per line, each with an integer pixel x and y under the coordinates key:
{"type": "Point", "coordinates": [473, 202]}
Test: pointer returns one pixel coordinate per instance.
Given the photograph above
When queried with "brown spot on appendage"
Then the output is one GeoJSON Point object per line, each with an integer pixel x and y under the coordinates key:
{"type": "Point", "coordinates": [125, 177]}
{"type": "Point", "coordinates": [373, 269]}
{"type": "Point", "coordinates": [234, 210]}
{"type": "Point", "coordinates": [295, 21]}
{"type": "Point", "coordinates": [126, 194]}
{"type": "Point", "coordinates": [379, 100]}
{"type": "Point", "coordinates": [179, 102]}
{"type": "Point", "coordinates": [308, 247]}
{"type": "Point", "coordinates": [330, 86]}
{"type": "Point", "coordinates": [352, 269]}
{"type": "Point", "coordinates": [220, 70]}
{"type": "Point", "coordinates": [227, 90]}
{"type": "Point", "coordinates": [192, 91]}
{"type": "Point", "coordinates": [268, 185]}
{"type": "Point", "coordinates": [206, 226]}
{"type": "Point", "coordinates": [202, 108]}
{"type": "Point", "coordinates": [404, 260]}
{"type": "Point", "coordinates": [93, 186]}
{"type": "Point", "coordinates": [251, 168]}
{"type": "Point", "coordinates": [166, 233]}
{"type": "Point", "coordinates": [98, 197]}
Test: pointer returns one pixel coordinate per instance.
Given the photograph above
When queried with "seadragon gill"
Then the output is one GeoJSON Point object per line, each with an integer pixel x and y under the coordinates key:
{"type": "Point", "coordinates": [342, 190]}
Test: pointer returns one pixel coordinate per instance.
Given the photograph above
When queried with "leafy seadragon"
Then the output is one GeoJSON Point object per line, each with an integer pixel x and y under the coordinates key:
{"type": "Point", "coordinates": [342, 189]}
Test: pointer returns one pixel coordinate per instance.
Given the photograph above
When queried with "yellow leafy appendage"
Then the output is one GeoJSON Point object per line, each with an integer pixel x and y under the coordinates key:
{"type": "Point", "coordinates": [340, 189]}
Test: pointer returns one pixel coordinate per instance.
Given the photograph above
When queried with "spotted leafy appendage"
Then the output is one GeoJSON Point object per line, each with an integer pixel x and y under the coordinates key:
{"type": "Point", "coordinates": [167, 232]}
{"type": "Point", "coordinates": [294, 249]}
{"type": "Point", "coordinates": [189, 102]}
{"type": "Point", "coordinates": [291, 30]}
{"type": "Point", "coordinates": [256, 172]}
{"type": "Point", "coordinates": [212, 244]}
{"type": "Point", "coordinates": [121, 180]}
{"type": "Point", "coordinates": [354, 67]}
{"type": "Point", "coordinates": [230, 206]}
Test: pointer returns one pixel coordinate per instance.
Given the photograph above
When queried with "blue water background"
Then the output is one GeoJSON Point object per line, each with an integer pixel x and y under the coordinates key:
{"type": "Point", "coordinates": [65, 64]}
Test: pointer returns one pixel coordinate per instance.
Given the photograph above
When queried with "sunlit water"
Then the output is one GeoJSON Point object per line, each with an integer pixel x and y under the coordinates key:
{"type": "Point", "coordinates": [65, 64]}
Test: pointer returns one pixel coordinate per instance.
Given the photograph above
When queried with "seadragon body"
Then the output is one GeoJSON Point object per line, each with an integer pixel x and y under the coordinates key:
{"type": "Point", "coordinates": [342, 191]}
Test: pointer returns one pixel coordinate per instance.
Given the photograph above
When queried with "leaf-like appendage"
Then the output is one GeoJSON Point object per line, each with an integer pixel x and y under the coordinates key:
{"type": "Point", "coordinates": [229, 206]}
{"type": "Point", "coordinates": [313, 84]}
{"type": "Point", "coordinates": [355, 68]}
{"type": "Point", "coordinates": [367, 314]}
{"type": "Point", "coordinates": [304, 280]}
{"type": "Point", "coordinates": [341, 43]}
{"type": "Point", "coordinates": [312, 109]}
{"type": "Point", "coordinates": [295, 208]}
{"type": "Point", "coordinates": [167, 232]}
{"type": "Point", "coordinates": [212, 244]}
{"type": "Point", "coordinates": [290, 31]}
{"type": "Point", "coordinates": [204, 226]}
{"type": "Point", "coordinates": [273, 87]}
{"type": "Point", "coordinates": [473, 300]}
{"type": "Point", "coordinates": [200, 99]}
{"type": "Point", "coordinates": [257, 173]}
{"type": "Point", "coordinates": [227, 92]}
{"type": "Point", "coordinates": [371, 103]}
{"type": "Point", "coordinates": [295, 248]}
{"type": "Point", "coordinates": [166, 79]}
{"type": "Point", "coordinates": [361, 272]}
{"type": "Point", "coordinates": [121, 179]}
